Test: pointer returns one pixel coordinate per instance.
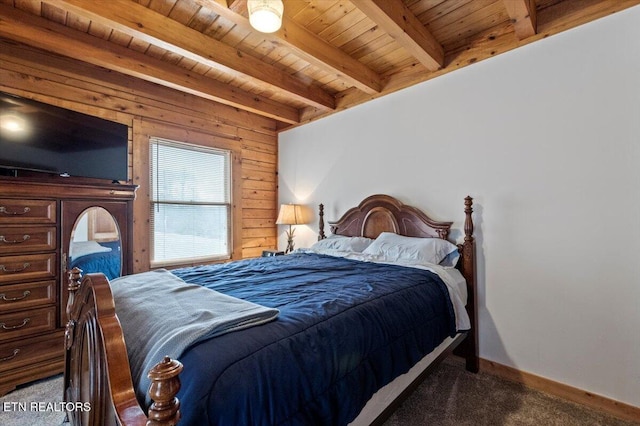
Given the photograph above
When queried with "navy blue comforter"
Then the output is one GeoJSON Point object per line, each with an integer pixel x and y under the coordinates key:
{"type": "Point", "coordinates": [346, 328]}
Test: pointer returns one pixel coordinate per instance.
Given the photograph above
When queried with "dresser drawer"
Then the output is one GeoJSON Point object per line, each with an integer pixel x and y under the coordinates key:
{"type": "Point", "coordinates": [27, 239]}
{"type": "Point", "coordinates": [25, 323]}
{"type": "Point", "coordinates": [14, 355]}
{"type": "Point", "coordinates": [27, 211]}
{"type": "Point", "coordinates": [28, 295]}
{"type": "Point", "coordinates": [27, 267]}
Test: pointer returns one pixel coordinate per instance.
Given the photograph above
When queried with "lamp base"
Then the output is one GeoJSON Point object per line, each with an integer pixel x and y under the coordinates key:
{"type": "Point", "coordinates": [290, 244]}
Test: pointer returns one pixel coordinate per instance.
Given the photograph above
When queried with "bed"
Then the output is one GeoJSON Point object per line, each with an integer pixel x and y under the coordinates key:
{"type": "Point", "coordinates": [360, 385]}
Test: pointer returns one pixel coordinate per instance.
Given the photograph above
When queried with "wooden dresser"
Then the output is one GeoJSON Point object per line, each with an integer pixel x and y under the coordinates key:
{"type": "Point", "coordinates": [36, 221]}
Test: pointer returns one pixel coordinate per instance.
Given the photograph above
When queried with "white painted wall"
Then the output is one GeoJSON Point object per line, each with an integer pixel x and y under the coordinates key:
{"type": "Point", "coordinates": [547, 140]}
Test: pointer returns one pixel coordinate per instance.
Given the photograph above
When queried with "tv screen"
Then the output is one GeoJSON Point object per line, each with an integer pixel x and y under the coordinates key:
{"type": "Point", "coordinates": [40, 137]}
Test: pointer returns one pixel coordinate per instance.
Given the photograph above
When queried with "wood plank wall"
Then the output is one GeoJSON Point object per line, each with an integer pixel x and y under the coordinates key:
{"type": "Point", "coordinates": [72, 84]}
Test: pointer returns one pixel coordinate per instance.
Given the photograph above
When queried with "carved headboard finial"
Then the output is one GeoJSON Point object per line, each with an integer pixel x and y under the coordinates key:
{"type": "Point", "coordinates": [468, 222]}
{"type": "Point", "coordinates": [321, 235]}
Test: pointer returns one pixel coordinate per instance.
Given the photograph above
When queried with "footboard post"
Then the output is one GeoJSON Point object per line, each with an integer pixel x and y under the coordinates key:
{"type": "Point", "coordinates": [165, 384]}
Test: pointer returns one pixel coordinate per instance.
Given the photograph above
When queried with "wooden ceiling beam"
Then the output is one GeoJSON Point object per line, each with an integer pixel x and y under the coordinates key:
{"type": "Point", "coordinates": [495, 41]}
{"type": "Point", "coordinates": [236, 5]}
{"type": "Point", "coordinates": [395, 18]}
{"type": "Point", "coordinates": [44, 34]}
{"type": "Point", "coordinates": [144, 24]}
{"type": "Point", "coordinates": [523, 16]}
{"type": "Point", "coordinates": [307, 46]}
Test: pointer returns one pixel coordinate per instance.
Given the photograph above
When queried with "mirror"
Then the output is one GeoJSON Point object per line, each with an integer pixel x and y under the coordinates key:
{"type": "Point", "coordinates": [95, 243]}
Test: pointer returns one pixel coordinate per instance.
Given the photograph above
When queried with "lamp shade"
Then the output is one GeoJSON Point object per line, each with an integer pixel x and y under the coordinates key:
{"type": "Point", "coordinates": [290, 214]}
{"type": "Point", "coordinates": [265, 15]}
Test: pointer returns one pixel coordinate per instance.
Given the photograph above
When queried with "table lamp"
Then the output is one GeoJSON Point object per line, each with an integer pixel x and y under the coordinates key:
{"type": "Point", "coordinates": [290, 214]}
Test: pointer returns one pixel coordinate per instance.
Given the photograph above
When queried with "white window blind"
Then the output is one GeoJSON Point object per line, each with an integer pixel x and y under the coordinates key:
{"type": "Point", "coordinates": [190, 205]}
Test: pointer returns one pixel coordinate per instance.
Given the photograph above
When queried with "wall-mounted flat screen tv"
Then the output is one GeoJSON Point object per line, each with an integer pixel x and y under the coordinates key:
{"type": "Point", "coordinates": [39, 137]}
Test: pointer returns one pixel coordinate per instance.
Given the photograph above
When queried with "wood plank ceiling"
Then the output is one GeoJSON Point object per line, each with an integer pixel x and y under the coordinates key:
{"type": "Point", "coordinates": [329, 55]}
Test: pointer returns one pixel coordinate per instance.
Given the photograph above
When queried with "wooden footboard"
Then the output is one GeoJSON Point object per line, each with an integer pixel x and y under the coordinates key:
{"type": "Point", "coordinates": [97, 375]}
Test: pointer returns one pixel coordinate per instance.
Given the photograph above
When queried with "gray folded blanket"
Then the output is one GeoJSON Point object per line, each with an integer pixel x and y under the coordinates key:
{"type": "Point", "coordinates": [162, 315]}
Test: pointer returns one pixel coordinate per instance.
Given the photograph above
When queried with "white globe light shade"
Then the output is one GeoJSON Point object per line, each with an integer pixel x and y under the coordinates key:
{"type": "Point", "coordinates": [265, 15]}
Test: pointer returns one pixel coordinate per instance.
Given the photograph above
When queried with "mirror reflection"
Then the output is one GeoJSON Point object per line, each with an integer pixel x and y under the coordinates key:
{"type": "Point", "coordinates": [95, 243]}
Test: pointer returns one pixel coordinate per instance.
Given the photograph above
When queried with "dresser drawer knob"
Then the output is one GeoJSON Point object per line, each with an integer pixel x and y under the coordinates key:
{"type": "Point", "coordinates": [15, 299]}
{"type": "Point", "coordinates": [10, 357]}
{"type": "Point", "coordinates": [14, 327]}
{"type": "Point", "coordinates": [7, 212]}
{"type": "Point", "coordinates": [24, 238]}
{"type": "Point", "coordinates": [25, 265]}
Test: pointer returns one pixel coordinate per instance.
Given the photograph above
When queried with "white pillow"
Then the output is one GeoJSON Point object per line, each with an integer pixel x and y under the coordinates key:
{"type": "Point", "coordinates": [342, 243]}
{"type": "Point", "coordinates": [393, 247]}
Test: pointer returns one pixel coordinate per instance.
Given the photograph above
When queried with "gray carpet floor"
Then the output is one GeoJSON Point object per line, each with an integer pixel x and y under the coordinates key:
{"type": "Point", "coordinates": [453, 396]}
{"type": "Point", "coordinates": [449, 396]}
{"type": "Point", "coordinates": [39, 393]}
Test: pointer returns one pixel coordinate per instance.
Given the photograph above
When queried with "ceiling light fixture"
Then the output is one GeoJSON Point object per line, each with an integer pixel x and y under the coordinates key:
{"type": "Point", "coordinates": [265, 15]}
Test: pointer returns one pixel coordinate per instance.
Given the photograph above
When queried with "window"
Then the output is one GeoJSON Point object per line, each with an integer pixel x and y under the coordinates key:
{"type": "Point", "coordinates": [190, 203]}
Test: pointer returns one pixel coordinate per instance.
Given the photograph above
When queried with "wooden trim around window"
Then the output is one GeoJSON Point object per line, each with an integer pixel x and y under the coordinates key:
{"type": "Point", "coordinates": [143, 130]}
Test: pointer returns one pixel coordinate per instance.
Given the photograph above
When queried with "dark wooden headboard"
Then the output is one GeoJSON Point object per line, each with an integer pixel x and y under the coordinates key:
{"type": "Point", "coordinates": [383, 213]}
